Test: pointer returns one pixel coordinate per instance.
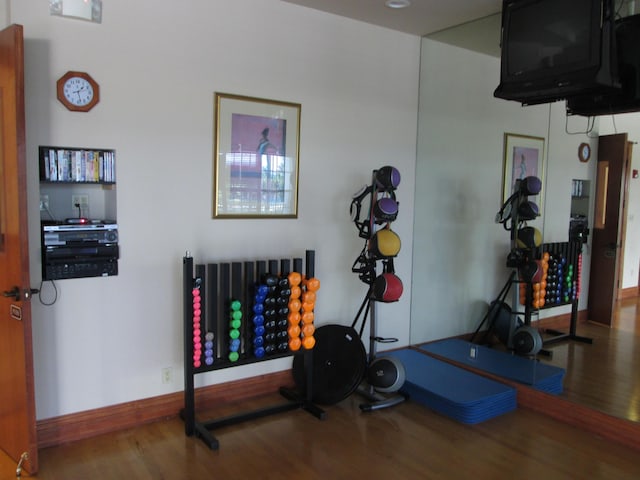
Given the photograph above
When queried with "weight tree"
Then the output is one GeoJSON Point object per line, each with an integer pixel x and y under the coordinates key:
{"type": "Point", "coordinates": [381, 246]}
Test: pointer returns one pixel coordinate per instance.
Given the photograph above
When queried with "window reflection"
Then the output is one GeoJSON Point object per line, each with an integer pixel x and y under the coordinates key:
{"type": "Point", "coordinates": [259, 183]}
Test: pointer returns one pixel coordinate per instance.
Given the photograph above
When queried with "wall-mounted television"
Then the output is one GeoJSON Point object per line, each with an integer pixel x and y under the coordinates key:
{"type": "Point", "coordinates": [627, 99]}
{"type": "Point", "coordinates": [555, 49]}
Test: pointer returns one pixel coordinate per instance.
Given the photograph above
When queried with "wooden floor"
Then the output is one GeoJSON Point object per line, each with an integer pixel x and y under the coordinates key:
{"type": "Point", "coordinates": [604, 375]}
{"type": "Point", "coordinates": [404, 442]}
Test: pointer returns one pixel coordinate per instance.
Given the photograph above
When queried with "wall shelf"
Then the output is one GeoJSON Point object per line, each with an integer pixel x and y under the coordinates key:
{"type": "Point", "coordinates": [72, 165]}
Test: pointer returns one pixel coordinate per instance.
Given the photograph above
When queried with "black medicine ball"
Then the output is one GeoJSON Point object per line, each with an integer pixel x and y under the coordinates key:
{"type": "Point", "coordinates": [386, 374]}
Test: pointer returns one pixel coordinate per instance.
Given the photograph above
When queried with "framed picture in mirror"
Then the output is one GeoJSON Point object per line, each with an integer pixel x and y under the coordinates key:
{"type": "Point", "coordinates": [523, 157]}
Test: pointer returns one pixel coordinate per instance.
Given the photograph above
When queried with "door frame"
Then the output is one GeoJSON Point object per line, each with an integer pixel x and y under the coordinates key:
{"type": "Point", "coordinates": [623, 228]}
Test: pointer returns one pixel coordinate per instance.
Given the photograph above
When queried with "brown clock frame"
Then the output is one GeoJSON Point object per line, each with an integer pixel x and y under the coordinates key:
{"type": "Point", "coordinates": [75, 108]}
{"type": "Point", "coordinates": [582, 157]}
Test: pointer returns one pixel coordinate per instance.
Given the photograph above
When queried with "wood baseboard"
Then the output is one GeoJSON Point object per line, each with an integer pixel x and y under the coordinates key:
{"type": "Point", "coordinates": [560, 322]}
{"type": "Point", "coordinates": [77, 426]}
{"type": "Point", "coordinates": [616, 430]}
{"type": "Point", "coordinates": [630, 292]}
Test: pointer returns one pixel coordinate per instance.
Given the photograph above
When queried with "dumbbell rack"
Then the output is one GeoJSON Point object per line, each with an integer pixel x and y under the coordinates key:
{"type": "Point", "coordinates": [572, 251]}
{"type": "Point", "coordinates": [220, 283]}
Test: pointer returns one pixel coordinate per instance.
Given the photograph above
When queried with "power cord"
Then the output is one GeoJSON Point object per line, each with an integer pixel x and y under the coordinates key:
{"type": "Point", "coordinates": [55, 297]}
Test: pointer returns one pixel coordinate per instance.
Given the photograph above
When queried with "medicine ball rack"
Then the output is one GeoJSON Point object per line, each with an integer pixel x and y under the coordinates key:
{"type": "Point", "coordinates": [219, 283]}
{"type": "Point", "coordinates": [528, 259]}
{"type": "Point", "coordinates": [381, 245]}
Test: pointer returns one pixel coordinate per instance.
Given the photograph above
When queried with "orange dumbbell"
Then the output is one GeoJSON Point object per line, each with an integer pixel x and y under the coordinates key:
{"type": "Point", "coordinates": [308, 342]}
{"type": "Point", "coordinates": [295, 343]}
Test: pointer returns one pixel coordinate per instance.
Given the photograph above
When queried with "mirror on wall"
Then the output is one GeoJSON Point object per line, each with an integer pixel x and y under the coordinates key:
{"type": "Point", "coordinates": [458, 253]}
{"type": "Point", "coordinates": [579, 221]}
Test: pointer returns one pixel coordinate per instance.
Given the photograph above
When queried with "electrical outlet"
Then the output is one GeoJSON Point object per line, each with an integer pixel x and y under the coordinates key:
{"type": "Point", "coordinates": [167, 375]}
{"type": "Point", "coordinates": [80, 201]}
{"type": "Point", "coordinates": [44, 202]}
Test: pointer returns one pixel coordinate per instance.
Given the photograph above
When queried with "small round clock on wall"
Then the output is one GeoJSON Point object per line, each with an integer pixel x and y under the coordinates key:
{"type": "Point", "coordinates": [78, 91]}
{"type": "Point", "coordinates": [584, 152]}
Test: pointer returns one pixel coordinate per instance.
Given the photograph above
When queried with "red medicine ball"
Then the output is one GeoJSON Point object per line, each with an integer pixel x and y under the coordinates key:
{"type": "Point", "coordinates": [387, 288]}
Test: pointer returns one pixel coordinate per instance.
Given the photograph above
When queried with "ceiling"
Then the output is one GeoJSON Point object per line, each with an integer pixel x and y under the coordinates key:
{"type": "Point", "coordinates": [477, 22]}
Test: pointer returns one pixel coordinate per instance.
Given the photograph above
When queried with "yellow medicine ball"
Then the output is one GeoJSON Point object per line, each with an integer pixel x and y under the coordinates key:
{"type": "Point", "coordinates": [529, 237]}
{"type": "Point", "coordinates": [385, 243]}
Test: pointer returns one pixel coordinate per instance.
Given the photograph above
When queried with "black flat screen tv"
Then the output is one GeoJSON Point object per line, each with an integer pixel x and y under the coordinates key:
{"type": "Point", "coordinates": [555, 49]}
{"type": "Point", "coordinates": [627, 99]}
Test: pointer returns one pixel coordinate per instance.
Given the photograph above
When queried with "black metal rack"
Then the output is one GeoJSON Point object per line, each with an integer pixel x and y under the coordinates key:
{"type": "Point", "coordinates": [572, 251]}
{"type": "Point", "coordinates": [219, 283]}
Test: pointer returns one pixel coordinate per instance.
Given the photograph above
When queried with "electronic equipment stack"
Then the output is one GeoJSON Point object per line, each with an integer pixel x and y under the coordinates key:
{"type": "Point", "coordinates": [79, 249]}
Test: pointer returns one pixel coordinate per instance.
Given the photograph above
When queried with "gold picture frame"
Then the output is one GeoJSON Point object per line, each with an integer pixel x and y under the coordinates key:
{"type": "Point", "coordinates": [523, 157]}
{"type": "Point", "coordinates": [256, 157]}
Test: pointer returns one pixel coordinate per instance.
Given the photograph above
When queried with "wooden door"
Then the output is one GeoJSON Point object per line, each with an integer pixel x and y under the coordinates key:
{"type": "Point", "coordinates": [17, 404]}
{"type": "Point", "coordinates": [607, 225]}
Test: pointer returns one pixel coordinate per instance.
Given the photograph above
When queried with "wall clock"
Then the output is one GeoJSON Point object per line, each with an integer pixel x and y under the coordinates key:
{"type": "Point", "coordinates": [78, 91]}
{"type": "Point", "coordinates": [584, 152]}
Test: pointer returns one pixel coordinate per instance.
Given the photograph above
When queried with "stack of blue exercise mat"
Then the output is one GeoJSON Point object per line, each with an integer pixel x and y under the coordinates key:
{"type": "Point", "coordinates": [546, 378]}
{"type": "Point", "coordinates": [453, 391]}
{"type": "Point", "coordinates": [466, 396]}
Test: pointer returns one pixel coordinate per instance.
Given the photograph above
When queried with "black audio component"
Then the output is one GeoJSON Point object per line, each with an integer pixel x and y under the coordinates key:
{"type": "Point", "coordinates": [67, 234]}
{"type": "Point", "coordinates": [79, 251]}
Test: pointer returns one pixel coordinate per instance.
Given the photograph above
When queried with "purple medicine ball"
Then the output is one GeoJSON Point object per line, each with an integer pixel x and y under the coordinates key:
{"type": "Point", "coordinates": [388, 177]}
{"type": "Point", "coordinates": [530, 186]}
{"type": "Point", "coordinates": [385, 210]}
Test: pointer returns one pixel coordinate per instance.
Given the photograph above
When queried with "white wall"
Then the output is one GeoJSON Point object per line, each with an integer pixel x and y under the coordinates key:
{"type": "Point", "coordinates": [105, 340]}
{"type": "Point", "coordinates": [459, 251]}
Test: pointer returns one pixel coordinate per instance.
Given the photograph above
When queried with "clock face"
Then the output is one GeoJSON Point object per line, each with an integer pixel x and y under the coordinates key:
{"type": "Point", "coordinates": [584, 152]}
{"type": "Point", "coordinates": [78, 91]}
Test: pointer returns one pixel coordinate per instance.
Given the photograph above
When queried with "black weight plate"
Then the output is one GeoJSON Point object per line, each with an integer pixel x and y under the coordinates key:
{"type": "Point", "coordinates": [339, 362]}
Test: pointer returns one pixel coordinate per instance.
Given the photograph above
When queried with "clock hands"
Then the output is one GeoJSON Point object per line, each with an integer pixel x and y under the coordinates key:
{"type": "Point", "coordinates": [79, 91]}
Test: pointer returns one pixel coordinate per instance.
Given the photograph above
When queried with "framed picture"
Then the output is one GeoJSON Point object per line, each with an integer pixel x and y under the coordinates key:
{"type": "Point", "coordinates": [256, 150]}
{"type": "Point", "coordinates": [523, 157]}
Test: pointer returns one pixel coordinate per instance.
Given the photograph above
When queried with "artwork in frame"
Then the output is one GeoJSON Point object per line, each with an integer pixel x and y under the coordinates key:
{"type": "Point", "coordinates": [256, 157]}
{"type": "Point", "coordinates": [523, 157]}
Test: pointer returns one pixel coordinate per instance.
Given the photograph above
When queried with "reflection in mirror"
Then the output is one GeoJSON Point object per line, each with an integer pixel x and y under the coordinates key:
{"type": "Point", "coordinates": [579, 222]}
{"type": "Point", "coordinates": [482, 35]}
{"type": "Point", "coordinates": [459, 254]}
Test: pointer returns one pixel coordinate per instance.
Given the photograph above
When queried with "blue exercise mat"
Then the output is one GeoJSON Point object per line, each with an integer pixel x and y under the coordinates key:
{"type": "Point", "coordinates": [453, 391]}
{"type": "Point", "coordinates": [546, 378]}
